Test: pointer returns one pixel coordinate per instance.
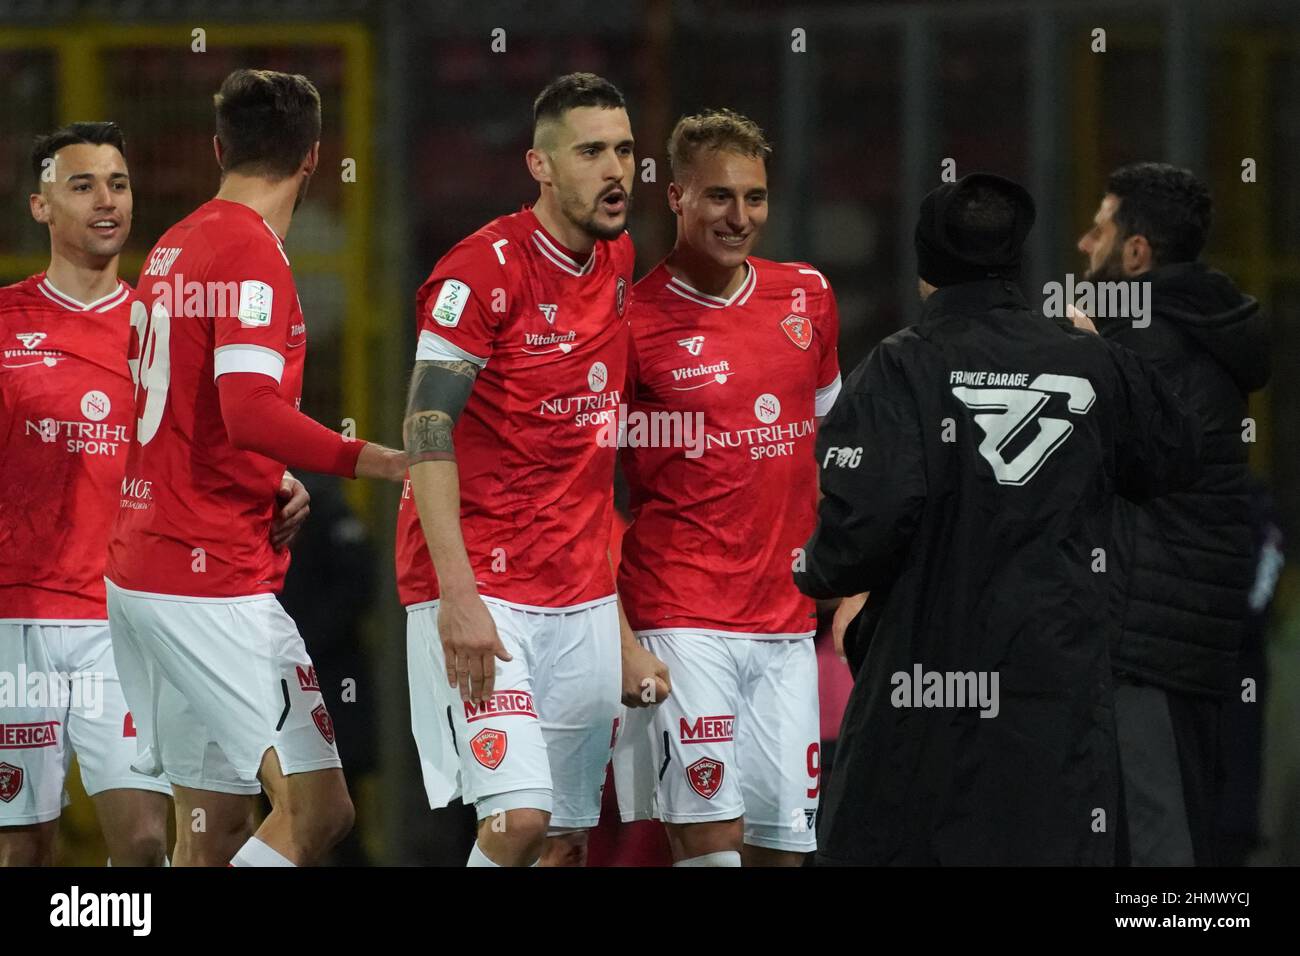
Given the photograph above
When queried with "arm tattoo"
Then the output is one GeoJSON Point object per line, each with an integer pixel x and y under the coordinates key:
{"type": "Point", "coordinates": [439, 391]}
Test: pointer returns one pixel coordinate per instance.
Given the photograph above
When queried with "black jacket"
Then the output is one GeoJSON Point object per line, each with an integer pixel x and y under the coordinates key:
{"type": "Point", "coordinates": [977, 506]}
{"type": "Point", "coordinates": [1184, 563]}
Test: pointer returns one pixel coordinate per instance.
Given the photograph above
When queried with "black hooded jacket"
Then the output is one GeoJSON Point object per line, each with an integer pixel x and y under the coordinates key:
{"type": "Point", "coordinates": [1184, 563]}
{"type": "Point", "coordinates": [969, 469]}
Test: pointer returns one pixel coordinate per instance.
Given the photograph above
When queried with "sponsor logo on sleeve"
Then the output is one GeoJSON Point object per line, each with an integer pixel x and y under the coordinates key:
{"type": "Point", "coordinates": [450, 303]}
{"type": "Point", "coordinates": [255, 300]}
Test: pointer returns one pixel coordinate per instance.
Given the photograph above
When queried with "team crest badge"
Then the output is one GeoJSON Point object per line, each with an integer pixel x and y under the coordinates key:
{"type": "Point", "coordinates": [11, 781]}
{"type": "Point", "coordinates": [324, 723]}
{"type": "Point", "coordinates": [620, 295]}
{"type": "Point", "coordinates": [799, 329]}
{"type": "Point", "coordinates": [489, 747]}
{"type": "Point", "coordinates": [705, 777]}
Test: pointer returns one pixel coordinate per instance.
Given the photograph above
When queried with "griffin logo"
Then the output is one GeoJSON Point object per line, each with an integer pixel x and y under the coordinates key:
{"type": "Point", "coordinates": [799, 329]}
{"type": "Point", "coordinates": [11, 781]}
{"type": "Point", "coordinates": [489, 747]}
{"type": "Point", "coordinates": [324, 723]}
{"type": "Point", "coordinates": [694, 344]}
{"type": "Point", "coordinates": [548, 312]}
{"type": "Point", "coordinates": [31, 340]}
{"type": "Point", "coordinates": [705, 777]}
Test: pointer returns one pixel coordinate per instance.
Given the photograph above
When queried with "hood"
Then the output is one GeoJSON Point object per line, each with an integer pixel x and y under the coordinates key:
{"type": "Point", "coordinates": [1207, 307]}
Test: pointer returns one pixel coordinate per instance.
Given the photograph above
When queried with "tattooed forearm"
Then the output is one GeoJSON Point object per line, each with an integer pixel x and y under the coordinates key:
{"type": "Point", "coordinates": [428, 437]}
{"type": "Point", "coordinates": [438, 393]}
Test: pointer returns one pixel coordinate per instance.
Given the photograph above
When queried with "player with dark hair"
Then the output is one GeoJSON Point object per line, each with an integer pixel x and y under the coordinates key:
{"type": "Point", "coordinates": [969, 470]}
{"type": "Point", "coordinates": [1176, 648]}
{"type": "Point", "coordinates": [513, 627]}
{"type": "Point", "coordinates": [65, 420]}
{"type": "Point", "coordinates": [746, 347]}
{"type": "Point", "coordinates": [220, 682]}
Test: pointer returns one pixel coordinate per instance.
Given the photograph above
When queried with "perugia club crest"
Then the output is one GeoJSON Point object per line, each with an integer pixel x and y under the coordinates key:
{"type": "Point", "coordinates": [489, 747]}
{"type": "Point", "coordinates": [799, 329]}
{"type": "Point", "coordinates": [11, 781]}
{"type": "Point", "coordinates": [620, 295]}
{"type": "Point", "coordinates": [705, 776]}
{"type": "Point", "coordinates": [324, 723]}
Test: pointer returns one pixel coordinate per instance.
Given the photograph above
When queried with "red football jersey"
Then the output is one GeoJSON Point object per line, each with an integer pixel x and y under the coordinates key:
{"type": "Point", "coordinates": [65, 422]}
{"type": "Point", "coordinates": [536, 482]}
{"type": "Point", "coordinates": [716, 525]}
{"type": "Point", "coordinates": [195, 511]}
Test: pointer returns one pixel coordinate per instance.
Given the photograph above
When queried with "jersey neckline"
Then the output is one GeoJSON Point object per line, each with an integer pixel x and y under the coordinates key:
{"type": "Point", "coordinates": [558, 254]}
{"type": "Point", "coordinates": [102, 304]}
{"type": "Point", "coordinates": [691, 294]}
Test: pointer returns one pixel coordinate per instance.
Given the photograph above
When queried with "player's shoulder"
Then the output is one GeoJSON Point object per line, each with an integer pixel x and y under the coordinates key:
{"type": "Point", "coordinates": [20, 293]}
{"type": "Point", "coordinates": [790, 274]}
{"type": "Point", "coordinates": [484, 253]}
{"type": "Point", "coordinates": [651, 294]}
{"type": "Point", "coordinates": [224, 228]}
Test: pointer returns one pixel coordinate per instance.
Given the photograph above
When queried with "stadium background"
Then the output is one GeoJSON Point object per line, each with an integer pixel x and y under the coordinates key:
{"type": "Point", "coordinates": [436, 121]}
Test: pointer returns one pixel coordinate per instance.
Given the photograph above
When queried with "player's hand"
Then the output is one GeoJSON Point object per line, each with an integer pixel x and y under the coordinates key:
{"type": "Point", "coordinates": [849, 608]}
{"type": "Point", "coordinates": [471, 646]}
{"type": "Point", "coordinates": [645, 678]}
{"type": "Point", "coordinates": [386, 464]}
{"type": "Point", "coordinates": [291, 510]}
{"type": "Point", "coordinates": [1080, 319]}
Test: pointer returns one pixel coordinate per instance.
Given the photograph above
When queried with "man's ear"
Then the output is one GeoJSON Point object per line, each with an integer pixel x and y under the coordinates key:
{"type": "Point", "coordinates": [40, 207]}
{"type": "Point", "coordinates": [539, 165]}
{"type": "Point", "coordinates": [216, 151]}
{"type": "Point", "coordinates": [675, 198]}
{"type": "Point", "coordinates": [1137, 257]}
{"type": "Point", "coordinates": [313, 159]}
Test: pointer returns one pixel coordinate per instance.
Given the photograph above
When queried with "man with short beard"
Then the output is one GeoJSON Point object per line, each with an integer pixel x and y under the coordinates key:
{"type": "Point", "coordinates": [1184, 563]}
{"type": "Point", "coordinates": [503, 533]}
{"type": "Point", "coordinates": [223, 690]}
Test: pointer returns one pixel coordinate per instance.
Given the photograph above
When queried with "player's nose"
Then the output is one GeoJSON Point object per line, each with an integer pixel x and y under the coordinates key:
{"type": "Point", "coordinates": [737, 218]}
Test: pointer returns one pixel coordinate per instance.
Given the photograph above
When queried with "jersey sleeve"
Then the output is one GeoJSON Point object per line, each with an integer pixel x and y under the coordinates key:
{"type": "Point", "coordinates": [1158, 440]}
{"type": "Point", "coordinates": [828, 337]}
{"type": "Point", "coordinates": [460, 306]}
{"type": "Point", "coordinates": [871, 453]}
{"type": "Point", "coordinates": [251, 327]}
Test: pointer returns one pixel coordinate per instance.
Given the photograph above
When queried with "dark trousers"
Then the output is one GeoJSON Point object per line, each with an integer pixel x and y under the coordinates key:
{"type": "Point", "coordinates": [1169, 758]}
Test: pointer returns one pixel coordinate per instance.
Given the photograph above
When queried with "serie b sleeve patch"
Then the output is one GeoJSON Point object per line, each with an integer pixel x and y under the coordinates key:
{"type": "Point", "coordinates": [255, 303]}
{"type": "Point", "coordinates": [450, 303]}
